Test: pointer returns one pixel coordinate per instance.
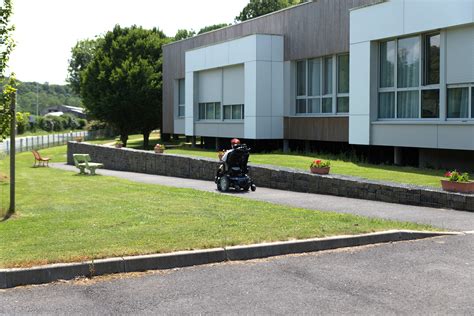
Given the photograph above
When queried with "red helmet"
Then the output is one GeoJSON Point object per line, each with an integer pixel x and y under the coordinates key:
{"type": "Point", "coordinates": [235, 141]}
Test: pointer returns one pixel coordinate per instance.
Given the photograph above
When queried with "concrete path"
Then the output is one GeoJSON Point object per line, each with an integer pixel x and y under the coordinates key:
{"type": "Point", "coordinates": [448, 219]}
{"type": "Point", "coordinates": [433, 276]}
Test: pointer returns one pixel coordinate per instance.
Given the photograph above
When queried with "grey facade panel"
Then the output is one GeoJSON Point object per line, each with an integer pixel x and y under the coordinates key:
{"type": "Point", "coordinates": [310, 30]}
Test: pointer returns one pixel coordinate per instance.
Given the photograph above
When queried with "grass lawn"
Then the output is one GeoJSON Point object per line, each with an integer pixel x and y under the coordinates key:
{"type": "Point", "coordinates": [406, 175]}
{"type": "Point", "coordinates": [63, 217]}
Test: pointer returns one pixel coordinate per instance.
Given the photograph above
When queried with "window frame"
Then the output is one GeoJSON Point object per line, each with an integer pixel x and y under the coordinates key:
{"type": "Point", "coordinates": [421, 80]}
{"type": "Point", "coordinates": [470, 105]}
{"type": "Point", "coordinates": [242, 116]}
{"type": "Point", "coordinates": [342, 94]}
{"type": "Point", "coordinates": [205, 104]}
{"type": "Point", "coordinates": [333, 96]}
{"type": "Point", "coordinates": [181, 106]}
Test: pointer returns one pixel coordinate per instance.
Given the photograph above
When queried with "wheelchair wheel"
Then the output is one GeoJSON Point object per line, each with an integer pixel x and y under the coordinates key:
{"type": "Point", "coordinates": [224, 183]}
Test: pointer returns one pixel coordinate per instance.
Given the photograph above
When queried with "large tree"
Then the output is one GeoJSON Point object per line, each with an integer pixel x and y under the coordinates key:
{"type": "Point", "coordinates": [122, 85]}
{"type": "Point", "coordinates": [256, 8]}
{"type": "Point", "coordinates": [81, 55]}
{"type": "Point", "coordinates": [6, 46]}
{"type": "Point", "coordinates": [183, 34]}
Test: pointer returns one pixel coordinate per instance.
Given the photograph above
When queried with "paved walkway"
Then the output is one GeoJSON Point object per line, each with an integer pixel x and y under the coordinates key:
{"type": "Point", "coordinates": [443, 218]}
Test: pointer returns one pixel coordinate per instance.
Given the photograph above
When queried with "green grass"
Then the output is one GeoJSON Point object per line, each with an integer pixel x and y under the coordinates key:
{"type": "Point", "coordinates": [63, 217]}
{"type": "Point", "coordinates": [405, 175]}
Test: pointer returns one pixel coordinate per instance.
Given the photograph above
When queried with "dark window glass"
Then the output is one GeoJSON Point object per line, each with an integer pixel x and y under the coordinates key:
{"type": "Point", "coordinates": [386, 105]}
{"type": "Point", "coordinates": [458, 103]}
{"type": "Point", "coordinates": [217, 107]}
{"type": "Point", "coordinates": [430, 104]}
{"type": "Point", "coordinates": [202, 111]}
{"type": "Point", "coordinates": [343, 105]}
{"type": "Point", "coordinates": [314, 75]}
{"type": "Point", "coordinates": [327, 75]}
{"type": "Point", "coordinates": [227, 112]}
{"type": "Point", "coordinates": [237, 112]}
{"type": "Point", "coordinates": [301, 106]}
{"type": "Point", "coordinates": [343, 74]}
{"type": "Point", "coordinates": [472, 102]}
{"type": "Point", "coordinates": [181, 87]}
{"type": "Point", "coordinates": [301, 78]}
{"type": "Point", "coordinates": [181, 111]}
{"type": "Point", "coordinates": [432, 44]}
{"type": "Point", "coordinates": [327, 105]}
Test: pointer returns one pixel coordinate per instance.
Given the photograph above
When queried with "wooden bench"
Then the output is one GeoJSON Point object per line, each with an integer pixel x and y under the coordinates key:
{"type": "Point", "coordinates": [44, 161]}
{"type": "Point", "coordinates": [83, 162]}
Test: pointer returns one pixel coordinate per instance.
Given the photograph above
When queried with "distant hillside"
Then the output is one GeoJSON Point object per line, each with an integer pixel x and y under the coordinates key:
{"type": "Point", "coordinates": [48, 95]}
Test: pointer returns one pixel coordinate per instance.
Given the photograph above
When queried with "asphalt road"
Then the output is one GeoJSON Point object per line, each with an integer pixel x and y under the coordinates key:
{"type": "Point", "coordinates": [430, 276]}
{"type": "Point", "coordinates": [443, 218]}
{"type": "Point", "coordinates": [433, 276]}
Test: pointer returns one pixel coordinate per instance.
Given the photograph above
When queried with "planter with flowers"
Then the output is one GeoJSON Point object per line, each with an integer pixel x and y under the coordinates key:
{"type": "Point", "coordinates": [159, 149]}
{"type": "Point", "coordinates": [118, 144]}
{"type": "Point", "coordinates": [319, 166]}
{"type": "Point", "coordinates": [457, 182]}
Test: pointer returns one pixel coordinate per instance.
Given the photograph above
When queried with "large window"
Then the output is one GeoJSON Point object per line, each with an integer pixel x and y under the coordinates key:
{"type": "Point", "coordinates": [234, 112]}
{"type": "Point", "coordinates": [210, 111]}
{"type": "Point", "coordinates": [461, 102]}
{"type": "Point", "coordinates": [315, 81]}
{"type": "Point", "coordinates": [405, 92]}
{"type": "Point", "coordinates": [181, 98]}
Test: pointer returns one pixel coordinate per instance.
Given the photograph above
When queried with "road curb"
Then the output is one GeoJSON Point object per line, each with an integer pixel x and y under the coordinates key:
{"type": "Point", "coordinates": [66, 271]}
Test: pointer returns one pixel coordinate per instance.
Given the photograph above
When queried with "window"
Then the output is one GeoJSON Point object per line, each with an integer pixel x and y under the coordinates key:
{"type": "Point", "coordinates": [301, 78]}
{"type": "Point", "coordinates": [181, 98]}
{"type": "Point", "coordinates": [316, 92]}
{"type": "Point", "coordinates": [432, 54]}
{"type": "Point", "coordinates": [234, 112]}
{"type": "Point", "coordinates": [342, 84]}
{"type": "Point", "coordinates": [405, 90]}
{"type": "Point", "coordinates": [210, 111]}
{"type": "Point", "coordinates": [458, 102]}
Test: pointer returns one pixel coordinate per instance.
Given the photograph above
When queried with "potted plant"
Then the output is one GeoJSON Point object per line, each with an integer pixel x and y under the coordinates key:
{"type": "Point", "coordinates": [159, 149]}
{"type": "Point", "coordinates": [319, 166]}
{"type": "Point", "coordinates": [118, 144]}
{"type": "Point", "coordinates": [78, 139]}
{"type": "Point", "coordinates": [457, 182]}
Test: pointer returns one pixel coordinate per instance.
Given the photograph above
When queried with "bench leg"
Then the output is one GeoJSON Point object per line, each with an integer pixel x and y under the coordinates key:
{"type": "Point", "coordinates": [81, 170]}
{"type": "Point", "coordinates": [92, 171]}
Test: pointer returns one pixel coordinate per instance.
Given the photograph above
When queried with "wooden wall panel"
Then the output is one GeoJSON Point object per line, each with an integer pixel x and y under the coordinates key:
{"type": "Point", "coordinates": [334, 129]}
{"type": "Point", "coordinates": [312, 29]}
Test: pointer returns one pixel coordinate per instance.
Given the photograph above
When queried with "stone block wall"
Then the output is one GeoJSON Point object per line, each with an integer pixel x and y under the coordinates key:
{"type": "Point", "coordinates": [132, 160]}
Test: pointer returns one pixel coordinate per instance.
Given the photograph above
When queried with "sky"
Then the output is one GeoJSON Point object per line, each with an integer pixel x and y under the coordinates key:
{"type": "Point", "coordinates": [46, 30]}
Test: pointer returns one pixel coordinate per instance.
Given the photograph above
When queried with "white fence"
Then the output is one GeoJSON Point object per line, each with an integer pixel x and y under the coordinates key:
{"type": "Point", "coordinates": [45, 141]}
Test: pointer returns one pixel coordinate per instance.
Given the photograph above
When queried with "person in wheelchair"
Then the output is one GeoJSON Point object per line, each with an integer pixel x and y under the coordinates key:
{"type": "Point", "coordinates": [232, 171]}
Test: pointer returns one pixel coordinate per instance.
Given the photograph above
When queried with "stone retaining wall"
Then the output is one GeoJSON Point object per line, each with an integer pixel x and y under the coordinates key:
{"type": "Point", "coordinates": [125, 159]}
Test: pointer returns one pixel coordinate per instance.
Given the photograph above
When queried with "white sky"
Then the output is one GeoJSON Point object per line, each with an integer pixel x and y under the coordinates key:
{"type": "Point", "coordinates": [46, 30]}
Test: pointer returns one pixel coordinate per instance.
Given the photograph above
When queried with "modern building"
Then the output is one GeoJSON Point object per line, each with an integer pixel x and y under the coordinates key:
{"type": "Point", "coordinates": [58, 110]}
{"type": "Point", "coordinates": [392, 76]}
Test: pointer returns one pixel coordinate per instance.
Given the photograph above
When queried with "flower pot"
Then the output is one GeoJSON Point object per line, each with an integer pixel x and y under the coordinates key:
{"type": "Point", "coordinates": [461, 187]}
{"type": "Point", "coordinates": [118, 145]}
{"type": "Point", "coordinates": [323, 170]}
{"type": "Point", "coordinates": [159, 150]}
{"type": "Point", "coordinates": [78, 139]}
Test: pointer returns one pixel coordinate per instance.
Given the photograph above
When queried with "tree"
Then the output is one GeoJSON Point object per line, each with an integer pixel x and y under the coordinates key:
{"type": "Point", "coordinates": [122, 85]}
{"type": "Point", "coordinates": [256, 8]}
{"type": "Point", "coordinates": [81, 56]}
{"type": "Point", "coordinates": [212, 28]}
{"type": "Point", "coordinates": [6, 47]}
{"type": "Point", "coordinates": [183, 34]}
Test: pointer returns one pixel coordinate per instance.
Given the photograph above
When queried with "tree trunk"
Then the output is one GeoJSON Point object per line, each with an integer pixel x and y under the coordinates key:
{"type": "Point", "coordinates": [146, 139]}
{"type": "Point", "coordinates": [124, 139]}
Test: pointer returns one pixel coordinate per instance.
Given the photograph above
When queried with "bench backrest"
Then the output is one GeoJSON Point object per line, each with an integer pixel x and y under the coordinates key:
{"type": "Point", "coordinates": [81, 158]}
{"type": "Point", "coordinates": [36, 154]}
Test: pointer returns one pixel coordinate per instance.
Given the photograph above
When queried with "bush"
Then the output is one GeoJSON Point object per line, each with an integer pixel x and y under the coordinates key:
{"type": "Point", "coordinates": [46, 123]}
{"type": "Point", "coordinates": [82, 123]}
{"type": "Point", "coordinates": [22, 122]}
